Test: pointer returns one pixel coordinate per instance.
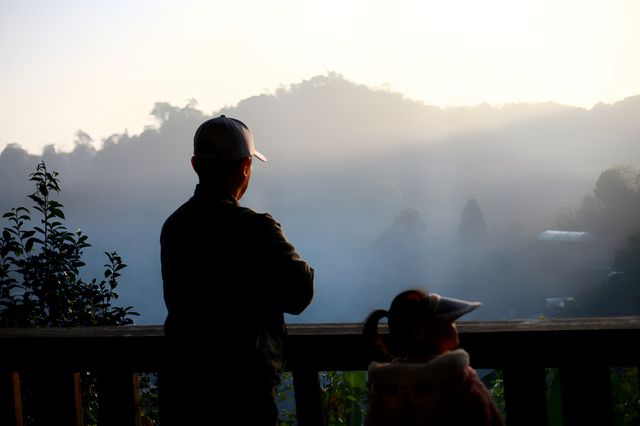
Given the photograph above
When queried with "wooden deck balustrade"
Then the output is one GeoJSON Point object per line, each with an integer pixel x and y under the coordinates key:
{"type": "Point", "coordinates": [583, 349]}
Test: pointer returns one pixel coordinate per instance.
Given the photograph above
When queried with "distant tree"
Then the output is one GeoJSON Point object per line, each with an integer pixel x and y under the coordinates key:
{"type": "Point", "coordinates": [619, 293]}
{"type": "Point", "coordinates": [473, 228]}
{"type": "Point", "coordinates": [406, 229]}
{"type": "Point", "coordinates": [626, 266]}
{"type": "Point", "coordinates": [402, 249]}
{"type": "Point", "coordinates": [612, 212]}
{"type": "Point", "coordinates": [617, 190]}
{"type": "Point", "coordinates": [589, 217]}
{"type": "Point", "coordinates": [166, 113]}
{"type": "Point", "coordinates": [472, 263]}
{"type": "Point", "coordinates": [627, 260]}
{"type": "Point", "coordinates": [615, 184]}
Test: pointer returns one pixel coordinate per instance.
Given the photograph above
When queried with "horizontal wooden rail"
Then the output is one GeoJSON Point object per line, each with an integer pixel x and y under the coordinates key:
{"type": "Point", "coordinates": [521, 349]}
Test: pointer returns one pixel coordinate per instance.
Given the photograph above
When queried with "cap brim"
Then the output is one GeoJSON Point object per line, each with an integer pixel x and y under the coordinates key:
{"type": "Point", "coordinates": [260, 156]}
{"type": "Point", "coordinates": [450, 309]}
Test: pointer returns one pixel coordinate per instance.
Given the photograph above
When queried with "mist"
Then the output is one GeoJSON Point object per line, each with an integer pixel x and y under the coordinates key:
{"type": "Point", "coordinates": [369, 186]}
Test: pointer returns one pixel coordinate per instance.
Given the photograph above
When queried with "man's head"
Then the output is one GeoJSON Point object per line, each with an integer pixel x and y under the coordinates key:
{"type": "Point", "coordinates": [222, 152]}
{"type": "Point", "coordinates": [224, 139]}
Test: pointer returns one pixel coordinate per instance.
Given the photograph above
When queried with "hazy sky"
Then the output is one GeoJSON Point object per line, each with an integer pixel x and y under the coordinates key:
{"type": "Point", "coordinates": [99, 66]}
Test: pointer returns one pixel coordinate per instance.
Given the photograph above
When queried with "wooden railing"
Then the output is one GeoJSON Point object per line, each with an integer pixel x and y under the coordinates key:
{"type": "Point", "coordinates": [584, 350]}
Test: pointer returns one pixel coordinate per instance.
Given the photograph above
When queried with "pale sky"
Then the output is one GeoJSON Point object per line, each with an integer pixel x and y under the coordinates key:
{"type": "Point", "coordinates": [100, 65]}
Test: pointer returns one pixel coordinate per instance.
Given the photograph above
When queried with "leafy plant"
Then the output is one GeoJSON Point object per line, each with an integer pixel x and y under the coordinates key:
{"type": "Point", "coordinates": [149, 398]}
{"type": "Point", "coordinates": [626, 396]}
{"type": "Point", "coordinates": [284, 399]}
{"type": "Point", "coordinates": [344, 395]}
{"type": "Point", "coordinates": [40, 284]}
{"type": "Point", "coordinates": [495, 384]}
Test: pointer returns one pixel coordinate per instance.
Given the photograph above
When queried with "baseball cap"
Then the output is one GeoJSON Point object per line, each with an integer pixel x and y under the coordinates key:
{"type": "Point", "coordinates": [224, 138]}
{"type": "Point", "coordinates": [448, 309]}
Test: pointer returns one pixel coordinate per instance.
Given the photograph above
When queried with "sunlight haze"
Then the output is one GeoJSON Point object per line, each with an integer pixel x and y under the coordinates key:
{"type": "Point", "coordinates": [100, 66]}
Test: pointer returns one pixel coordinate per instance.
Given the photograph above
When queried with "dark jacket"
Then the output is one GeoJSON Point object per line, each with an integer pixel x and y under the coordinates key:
{"type": "Point", "coordinates": [229, 274]}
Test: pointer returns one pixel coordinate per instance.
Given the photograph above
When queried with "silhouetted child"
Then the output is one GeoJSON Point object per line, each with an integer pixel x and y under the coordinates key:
{"type": "Point", "coordinates": [426, 379]}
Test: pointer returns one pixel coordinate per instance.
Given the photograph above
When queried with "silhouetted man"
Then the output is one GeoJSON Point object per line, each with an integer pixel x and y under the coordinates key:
{"type": "Point", "coordinates": [229, 274]}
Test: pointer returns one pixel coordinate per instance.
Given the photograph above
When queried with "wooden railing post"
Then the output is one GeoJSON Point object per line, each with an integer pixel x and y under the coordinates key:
{"type": "Point", "coordinates": [306, 385]}
{"type": "Point", "coordinates": [525, 396]}
{"type": "Point", "coordinates": [79, 406]}
{"type": "Point", "coordinates": [119, 398]}
{"type": "Point", "coordinates": [586, 395]}
{"type": "Point", "coordinates": [10, 399]}
{"type": "Point", "coordinates": [55, 397]}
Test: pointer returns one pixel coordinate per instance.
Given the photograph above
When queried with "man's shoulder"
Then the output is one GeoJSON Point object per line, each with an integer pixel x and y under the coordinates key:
{"type": "Point", "coordinates": [255, 215]}
{"type": "Point", "coordinates": [179, 213]}
{"type": "Point", "coordinates": [190, 209]}
{"type": "Point", "coordinates": [257, 218]}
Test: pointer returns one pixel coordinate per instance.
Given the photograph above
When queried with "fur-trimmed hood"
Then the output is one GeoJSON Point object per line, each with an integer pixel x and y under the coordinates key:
{"type": "Point", "coordinates": [401, 373]}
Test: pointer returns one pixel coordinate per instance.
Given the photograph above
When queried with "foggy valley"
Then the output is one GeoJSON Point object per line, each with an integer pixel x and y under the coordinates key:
{"type": "Point", "coordinates": [371, 188]}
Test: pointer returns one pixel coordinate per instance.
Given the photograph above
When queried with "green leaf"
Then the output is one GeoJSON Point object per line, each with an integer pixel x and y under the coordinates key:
{"type": "Point", "coordinates": [57, 213]}
{"type": "Point", "coordinates": [30, 242]}
{"type": "Point", "coordinates": [27, 234]}
{"type": "Point", "coordinates": [36, 198]}
{"type": "Point", "coordinates": [355, 378]}
{"type": "Point", "coordinates": [42, 188]}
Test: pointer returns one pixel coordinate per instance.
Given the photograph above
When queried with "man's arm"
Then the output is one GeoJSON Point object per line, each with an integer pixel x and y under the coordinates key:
{"type": "Point", "coordinates": [289, 275]}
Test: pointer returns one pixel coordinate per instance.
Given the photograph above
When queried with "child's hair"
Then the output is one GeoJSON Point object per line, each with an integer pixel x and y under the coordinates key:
{"type": "Point", "coordinates": [412, 328]}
